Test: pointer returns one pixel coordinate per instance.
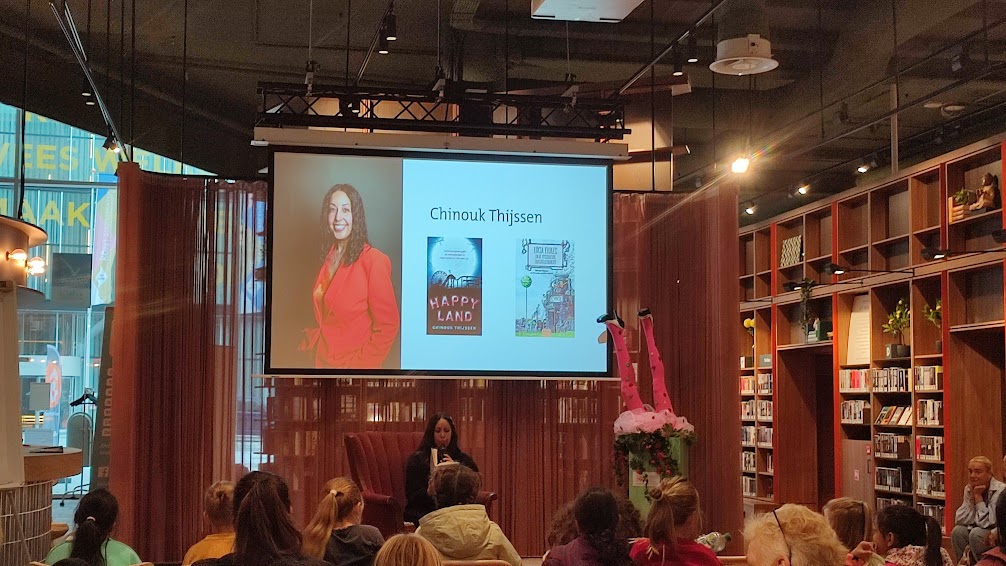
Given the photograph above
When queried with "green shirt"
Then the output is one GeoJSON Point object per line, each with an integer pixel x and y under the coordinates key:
{"type": "Point", "coordinates": [115, 552]}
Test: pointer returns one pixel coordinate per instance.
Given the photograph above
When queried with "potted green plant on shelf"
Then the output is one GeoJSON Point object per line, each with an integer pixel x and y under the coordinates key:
{"type": "Point", "coordinates": [935, 316]}
{"type": "Point", "coordinates": [897, 322]}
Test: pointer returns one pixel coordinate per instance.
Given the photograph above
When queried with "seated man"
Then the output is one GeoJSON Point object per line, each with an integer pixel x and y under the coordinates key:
{"type": "Point", "coordinates": [976, 518]}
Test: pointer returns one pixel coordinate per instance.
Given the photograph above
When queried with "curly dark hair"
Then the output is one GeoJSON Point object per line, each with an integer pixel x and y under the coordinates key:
{"type": "Point", "coordinates": [912, 528]}
{"type": "Point", "coordinates": [357, 236]}
{"type": "Point", "coordinates": [454, 484]}
{"type": "Point", "coordinates": [596, 513]}
{"type": "Point", "coordinates": [563, 529]}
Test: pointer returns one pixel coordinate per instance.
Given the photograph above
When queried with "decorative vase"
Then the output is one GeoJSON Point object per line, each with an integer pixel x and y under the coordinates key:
{"type": "Point", "coordinates": [640, 483]}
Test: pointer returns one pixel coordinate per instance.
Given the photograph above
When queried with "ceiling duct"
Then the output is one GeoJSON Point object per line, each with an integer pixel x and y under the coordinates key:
{"type": "Point", "coordinates": [742, 43]}
{"type": "Point", "coordinates": [609, 11]}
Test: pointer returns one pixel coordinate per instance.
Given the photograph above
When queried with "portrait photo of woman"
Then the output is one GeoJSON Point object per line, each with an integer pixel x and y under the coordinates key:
{"type": "Point", "coordinates": [355, 308]}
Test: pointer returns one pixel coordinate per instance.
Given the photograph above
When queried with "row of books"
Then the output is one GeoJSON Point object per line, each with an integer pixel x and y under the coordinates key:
{"type": "Point", "coordinates": [749, 435]}
{"type": "Point", "coordinates": [769, 466]}
{"type": "Point", "coordinates": [856, 411]}
{"type": "Point", "coordinates": [748, 410]}
{"type": "Point", "coordinates": [890, 479]}
{"type": "Point", "coordinates": [934, 511]}
{"type": "Point", "coordinates": [749, 461]}
{"type": "Point", "coordinates": [894, 415]}
{"type": "Point", "coordinates": [930, 482]}
{"type": "Point", "coordinates": [887, 380]}
{"type": "Point", "coordinates": [853, 380]}
{"type": "Point", "coordinates": [929, 448]}
{"type": "Point", "coordinates": [929, 412]}
{"type": "Point", "coordinates": [884, 502]}
{"type": "Point", "coordinates": [928, 378]}
{"type": "Point", "coordinates": [764, 410]}
{"type": "Point", "coordinates": [765, 436]}
{"type": "Point", "coordinates": [747, 385]}
{"type": "Point", "coordinates": [891, 445]}
{"type": "Point", "coordinates": [749, 486]}
{"type": "Point", "coordinates": [764, 383]}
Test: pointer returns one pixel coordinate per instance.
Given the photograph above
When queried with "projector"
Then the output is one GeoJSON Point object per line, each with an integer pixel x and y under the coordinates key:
{"type": "Point", "coordinates": [610, 11]}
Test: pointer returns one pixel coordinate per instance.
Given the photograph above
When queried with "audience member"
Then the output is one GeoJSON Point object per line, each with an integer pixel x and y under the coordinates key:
{"type": "Point", "coordinates": [672, 527]}
{"type": "Point", "coordinates": [335, 533]}
{"type": "Point", "coordinates": [996, 556]}
{"type": "Point", "coordinates": [852, 521]}
{"type": "Point", "coordinates": [563, 529]}
{"type": "Point", "coordinates": [442, 435]}
{"type": "Point", "coordinates": [71, 562]}
{"type": "Point", "coordinates": [264, 531]}
{"type": "Point", "coordinates": [460, 529]}
{"type": "Point", "coordinates": [95, 518]}
{"type": "Point", "coordinates": [975, 518]}
{"type": "Point", "coordinates": [792, 536]}
{"type": "Point", "coordinates": [904, 537]}
{"type": "Point", "coordinates": [407, 550]}
{"type": "Point", "coordinates": [218, 513]}
{"type": "Point", "coordinates": [598, 543]}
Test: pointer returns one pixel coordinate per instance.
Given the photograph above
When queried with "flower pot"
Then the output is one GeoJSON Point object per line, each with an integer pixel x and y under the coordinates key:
{"type": "Point", "coordinates": [897, 351]}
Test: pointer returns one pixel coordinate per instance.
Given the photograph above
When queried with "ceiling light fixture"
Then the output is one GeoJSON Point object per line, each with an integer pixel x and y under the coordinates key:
{"type": "Point", "coordinates": [36, 266]}
{"type": "Point", "coordinates": [835, 269]}
{"type": "Point", "coordinates": [17, 256]}
{"type": "Point", "coordinates": [390, 25]}
{"type": "Point", "coordinates": [740, 165]}
{"type": "Point", "coordinates": [678, 60]}
{"type": "Point", "coordinates": [750, 208]}
{"type": "Point", "coordinates": [382, 45]}
{"type": "Point", "coordinates": [349, 105]}
{"type": "Point", "coordinates": [803, 189]}
{"type": "Point", "coordinates": [863, 168]}
{"type": "Point", "coordinates": [791, 286]}
{"type": "Point", "coordinates": [693, 48]}
{"type": "Point", "coordinates": [110, 143]}
{"type": "Point", "coordinates": [933, 253]}
{"type": "Point", "coordinates": [85, 89]}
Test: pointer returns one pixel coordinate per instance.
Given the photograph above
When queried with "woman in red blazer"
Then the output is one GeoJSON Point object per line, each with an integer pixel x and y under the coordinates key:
{"type": "Point", "coordinates": [354, 300]}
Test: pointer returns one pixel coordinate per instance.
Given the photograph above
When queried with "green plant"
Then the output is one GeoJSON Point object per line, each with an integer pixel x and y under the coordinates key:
{"type": "Point", "coordinates": [963, 196]}
{"type": "Point", "coordinates": [806, 316]}
{"type": "Point", "coordinates": [641, 450]}
{"type": "Point", "coordinates": [934, 315]}
{"type": "Point", "coordinates": [898, 321]}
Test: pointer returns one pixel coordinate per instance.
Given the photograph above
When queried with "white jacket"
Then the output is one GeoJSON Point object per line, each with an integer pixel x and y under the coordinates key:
{"type": "Point", "coordinates": [464, 532]}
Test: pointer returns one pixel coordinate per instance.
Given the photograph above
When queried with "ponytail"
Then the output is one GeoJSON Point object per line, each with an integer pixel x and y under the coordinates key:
{"type": "Point", "coordinates": [336, 506]}
{"type": "Point", "coordinates": [95, 516]}
{"type": "Point", "coordinates": [934, 542]}
{"type": "Point", "coordinates": [264, 529]}
{"type": "Point", "coordinates": [675, 501]}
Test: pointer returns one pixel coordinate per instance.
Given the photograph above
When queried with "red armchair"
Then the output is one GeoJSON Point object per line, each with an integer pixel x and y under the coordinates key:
{"type": "Point", "coordinates": [377, 464]}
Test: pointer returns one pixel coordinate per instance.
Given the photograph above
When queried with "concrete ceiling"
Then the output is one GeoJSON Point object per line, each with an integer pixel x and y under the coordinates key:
{"type": "Point", "coordinates": [827, 49]}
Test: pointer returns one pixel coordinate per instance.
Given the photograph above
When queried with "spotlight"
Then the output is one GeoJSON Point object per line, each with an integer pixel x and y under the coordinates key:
{"type": "Point", "coordinates": [678, 60]}
{"type": "Point", "coordinates": [693, 48]}
{"type": "Point", "coordinates": [791, 286]}
{"type": "Point", "coordinates": [740, 165]}
{"type": "Point", "coordinates": [85, 89]}
{"type": "Point", "coordinates": [932, 254]}
{"type": "Point", "coordinates": [382, 45]}
{"type": "Point", "coordinates": [750, 208]}
{"type": "Point", "coordinates": [89, 101]}
{"type": "Point", "coordinates": [110, 144]}
{"type": "Point", "coordinates": [390, 27]}
{"type": "Point", "coordinates": [803, 189]}
{"type": "Point", "coordinates": [349, 105]}
{"type": "Point", "coordinates": [863, 168]}
{"type": "Point", "coordinates": [833, 269]}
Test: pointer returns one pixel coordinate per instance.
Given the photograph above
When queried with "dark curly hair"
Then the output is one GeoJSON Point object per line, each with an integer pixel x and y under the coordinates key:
{"type": "Point", "coordinates": [357, 235]}
{"type": "Point", "coordinates": [596, 513]}
{"type": "Point", "coordinates": [454, 484]}
{"type": "Point", "coordinates": [563, 529]}
{"type": "Point", "coordinates": [912, 528]}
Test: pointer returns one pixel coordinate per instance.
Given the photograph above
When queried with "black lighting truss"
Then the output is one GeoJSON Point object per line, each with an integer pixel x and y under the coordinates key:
{"type": "Point", "coordinates": [470, 114]}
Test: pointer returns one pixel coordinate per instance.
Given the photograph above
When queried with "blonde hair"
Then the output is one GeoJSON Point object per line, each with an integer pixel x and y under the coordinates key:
{"type": "Point", "coordinates": [218, 502]}
{"type": "Point", "coordinates": [810, 540]}
{"type": "Point", "coordinates": [851, 519]}
{"type": "Point", "coordinates": [675, 500]}
{"type": "Point", "coordinates": [407, 550]}
{"type": "Point", "coordinates": [983, 461]}
{"type": "Point", "coordinates": [341, 497]}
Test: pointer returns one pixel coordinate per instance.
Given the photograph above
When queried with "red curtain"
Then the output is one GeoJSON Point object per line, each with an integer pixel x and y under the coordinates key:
{"type": "Point", "coordinates": [185, 345]}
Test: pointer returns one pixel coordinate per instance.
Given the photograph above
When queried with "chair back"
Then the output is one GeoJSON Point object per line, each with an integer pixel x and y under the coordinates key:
{"type": "Point", "coordinates": [377, 460]}
{"type": "Point", "coordinates": [78, 434]}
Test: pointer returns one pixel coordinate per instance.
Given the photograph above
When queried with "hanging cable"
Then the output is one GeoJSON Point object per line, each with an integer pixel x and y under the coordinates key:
{"type": "Point", "coordinates": [24, 106]}
{"type": "Point", "coordinates": [820, 62]}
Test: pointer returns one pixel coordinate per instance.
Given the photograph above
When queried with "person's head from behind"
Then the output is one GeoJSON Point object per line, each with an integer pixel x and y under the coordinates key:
{"type": "Point", "coordinates": [851, 519]}
{"type": "Point", "coordinates": [792, 536]}
{"type": "Point", "coordinates": [674, 513]}
{"type": "Point", "coordinates": [1001, 520]}
{"type": "Point", "coordinates": [563, 529]}
{"type": "Point", "coordinates": [70, 562]}
{"type": "Point", "coordinates": [440, 433]}
{"type": "Point", "coordinates": [596, 515]}
{"type": "Point", "coordinates": [979, 471]}
{"type": "Point", "coordinates": [407, 550]}
{"type": "Point", "coordinates": [95, 517]}
{"type": "Point", "coordinates": [264, 529]}
{"type": "Point", "coordinates": [218, 506]}
{"type": "Point", "coordinates": [454, 484]}
{"type": "Point", "coordinates": [343, 221]}
{"type": "Point", "coordinates": [341, 506]}
{"type": "Point", "coordinates": [902, 525]}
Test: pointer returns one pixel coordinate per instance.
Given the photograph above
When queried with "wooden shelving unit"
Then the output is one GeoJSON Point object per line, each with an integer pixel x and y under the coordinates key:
{"type": "Point", "coordinates": [850, 417]}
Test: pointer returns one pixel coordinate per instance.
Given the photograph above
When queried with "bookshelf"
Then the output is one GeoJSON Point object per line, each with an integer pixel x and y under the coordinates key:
{"type": "Point", "coordinates": [854, 417]}
{"type": "Point", "coordinates": [756, 386]}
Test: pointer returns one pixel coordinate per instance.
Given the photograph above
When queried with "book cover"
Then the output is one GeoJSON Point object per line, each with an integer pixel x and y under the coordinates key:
{"type": "Point", "coordinates": [884, 412]}
{"type": "Point", "coordinates": [454, 286]}
{"type": "Point", "coordinates": [906, 418]}
{"type": "Point", "coordinates": [895, 415]}
{"type": "Point", "coordinates": [545, 288]}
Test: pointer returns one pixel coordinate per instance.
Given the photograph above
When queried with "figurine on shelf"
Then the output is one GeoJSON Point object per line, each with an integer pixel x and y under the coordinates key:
{"type": "Point", "coordinates": [988, 194]}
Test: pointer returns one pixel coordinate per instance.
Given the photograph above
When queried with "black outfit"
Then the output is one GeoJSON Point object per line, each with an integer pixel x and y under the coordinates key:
{"type": "Point", "coordinates": [355, 545]}
{"type": "Point", "coordinates": [228, 560]}
{"type": "Point", "coordinates": [417, 479]}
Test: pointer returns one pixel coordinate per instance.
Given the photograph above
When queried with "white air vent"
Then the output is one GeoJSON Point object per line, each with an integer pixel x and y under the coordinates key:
{"type": "Point", "coordinates": [743, 46]}
{"type": "Point", "coordinates": [610, 11]}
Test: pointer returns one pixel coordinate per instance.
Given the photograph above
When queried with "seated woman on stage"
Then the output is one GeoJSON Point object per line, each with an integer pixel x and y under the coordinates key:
{"type": "Point", "coordinates": [442, 435]}
{"type": "Point", "coordinates": [92, 541]}
{"type": "Point", "coordinates": [672, 527]}
{"type": "Point", "coordinates": [460, 529]}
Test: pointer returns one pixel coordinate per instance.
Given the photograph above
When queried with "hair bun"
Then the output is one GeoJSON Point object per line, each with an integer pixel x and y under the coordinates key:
{"type": "Point", "coordinates": [655, 493]}
{"type": "Point", "coordinates": [90, 518]}
{"type": "Point", "coordinates": [335, 492]}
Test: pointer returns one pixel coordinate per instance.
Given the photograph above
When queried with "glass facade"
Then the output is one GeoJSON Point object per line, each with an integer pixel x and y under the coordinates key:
{"type": "Point", "coordinates": [70, 192]}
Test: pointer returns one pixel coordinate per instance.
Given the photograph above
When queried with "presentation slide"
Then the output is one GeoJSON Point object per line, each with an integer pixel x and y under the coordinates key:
{"type": "Point", "coordinates": [437, 265]}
